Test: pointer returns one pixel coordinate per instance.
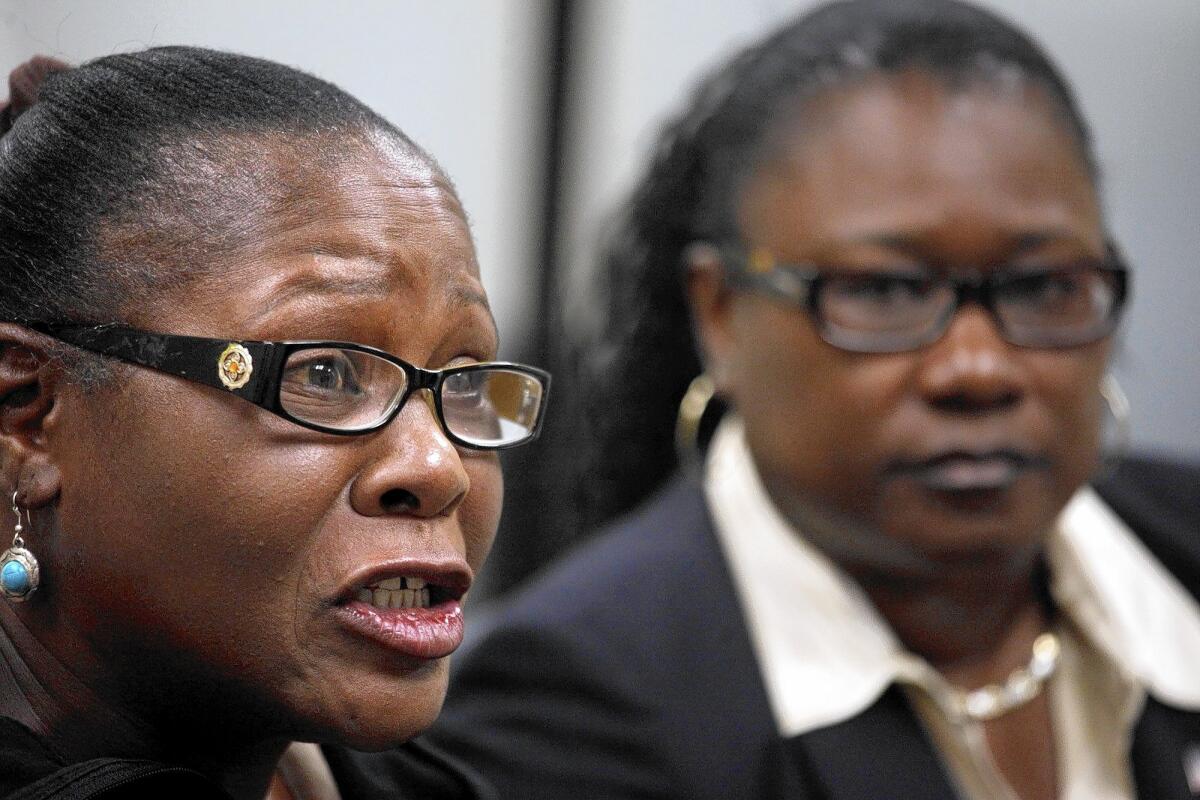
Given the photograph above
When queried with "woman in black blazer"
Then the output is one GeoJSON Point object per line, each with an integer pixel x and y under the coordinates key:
{"type": "Point", "coordinates": [890, 576]}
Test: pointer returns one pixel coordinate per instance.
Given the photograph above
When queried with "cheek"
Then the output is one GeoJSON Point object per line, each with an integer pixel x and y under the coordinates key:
{"type": "Point", "coordinates": [814, 415]}
{"type": "Point", "coordinates": [1067, 387]}
{"type": "Point", "coordinates": [192, 536]}
{"type": "Point", "coordinates": [479, 514]}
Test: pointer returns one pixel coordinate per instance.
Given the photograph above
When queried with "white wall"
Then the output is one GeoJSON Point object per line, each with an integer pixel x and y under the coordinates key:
{"type": "Point", "coordinates": [1134, 64]}
{"type": "Point", "coordinates": [462, 78]}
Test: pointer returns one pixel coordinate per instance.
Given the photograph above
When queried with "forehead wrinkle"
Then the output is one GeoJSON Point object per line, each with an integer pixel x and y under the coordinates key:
{"type": "Point", "coordinates": [321, 279]}
{"type": "Point", "coordinates": [358, 217]}
{"type": "Point", "coordinates": [357, 253]}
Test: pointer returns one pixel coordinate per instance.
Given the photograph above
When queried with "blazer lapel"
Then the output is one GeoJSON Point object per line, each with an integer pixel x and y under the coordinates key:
{"type": "Point", "coordinates": [1166, 753]}
{"type": "Point", "coordinates": [882, 752]}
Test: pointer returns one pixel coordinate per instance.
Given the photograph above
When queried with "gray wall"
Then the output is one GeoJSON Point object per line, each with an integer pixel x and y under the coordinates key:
{"type": "Point", "coordinates": [462, 78]}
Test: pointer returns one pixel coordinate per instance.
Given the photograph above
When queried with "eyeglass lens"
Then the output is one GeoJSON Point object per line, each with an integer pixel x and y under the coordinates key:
{"type": "Point", "coordinates": [876, 311]}
{"type": "Point", "coordinates": [482, 406]}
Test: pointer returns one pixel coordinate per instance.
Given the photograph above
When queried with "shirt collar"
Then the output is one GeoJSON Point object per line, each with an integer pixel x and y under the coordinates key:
{"type": "Point", "coordinates": [1120, 596]}
{"type": "Point", "coordinates": [826, 654]}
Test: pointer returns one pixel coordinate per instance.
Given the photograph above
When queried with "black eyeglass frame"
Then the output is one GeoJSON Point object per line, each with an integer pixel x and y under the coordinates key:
{"type": "Point", "coordinates": [198, 359]}
{"type": "Point", "coordinates": [800, 284]}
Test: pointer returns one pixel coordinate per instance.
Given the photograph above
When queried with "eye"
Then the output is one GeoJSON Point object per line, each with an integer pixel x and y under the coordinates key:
{"type": "Point", "coordinates": [1047, 289]}
{"type": "Point", "coordinates": [880, 288]}
{"type": "Point", "coordinates": [321, 372]}
{"type": "Point", "coordinates": [466, 390]}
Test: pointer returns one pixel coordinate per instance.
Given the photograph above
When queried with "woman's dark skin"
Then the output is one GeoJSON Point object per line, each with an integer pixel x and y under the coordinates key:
{"type": "Point", "coordinates": [900, 170]}
{"type": "Point", "coordinates": [193, 545]}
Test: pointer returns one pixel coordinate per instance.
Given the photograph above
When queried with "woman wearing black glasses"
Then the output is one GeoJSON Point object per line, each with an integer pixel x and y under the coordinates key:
{"type": "Point", "coordinates": [249, 411]}
{"type": "Point", "coordinates": [888, 577]}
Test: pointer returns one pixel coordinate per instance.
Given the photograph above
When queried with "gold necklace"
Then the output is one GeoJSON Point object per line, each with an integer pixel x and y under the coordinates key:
{"type": "Point", "coordinates": [1022, 685]}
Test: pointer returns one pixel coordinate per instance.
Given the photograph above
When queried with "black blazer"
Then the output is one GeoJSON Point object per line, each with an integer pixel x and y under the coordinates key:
{"type": "Point", "coordinates": [30, 769]}
{"type": "Point", "coordinates": [627, 672]}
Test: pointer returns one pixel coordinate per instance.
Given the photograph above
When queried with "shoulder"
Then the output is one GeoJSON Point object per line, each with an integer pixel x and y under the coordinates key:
{"type": "Point", "coordinates": [617, 601]}
{"type": "Point", "coordinates": [30, 770]}
{"type": "Point", "coordinates": [633, 566]}
{"type": "Point", "coordinates": [24, 757]}
{"type": "Point", "coordinates": [1165, 485]}
{"type": "Point", "coordinates": [1160, 501]}
{"type": "Point", "coordinates": [416, 769]}
{"type": "Point", "coordinates": [625, 670]}
{"type": "Point", "coordinates": [632, 596]}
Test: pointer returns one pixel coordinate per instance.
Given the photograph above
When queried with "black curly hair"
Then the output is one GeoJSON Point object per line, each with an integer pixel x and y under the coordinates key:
{"type": "Point", "coordinates": [638, 367]}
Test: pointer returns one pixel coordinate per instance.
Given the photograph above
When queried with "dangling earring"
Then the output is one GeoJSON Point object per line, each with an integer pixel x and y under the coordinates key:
{"type": "Point", "coordinates": [18, 567]}
{"type": "Point", "coordinates": [1118, 406]}
{"type": "Point", "coordinates": [692, 407]}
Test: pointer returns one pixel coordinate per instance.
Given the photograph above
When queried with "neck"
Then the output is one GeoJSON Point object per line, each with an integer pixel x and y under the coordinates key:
{"type": "Point", "coordinates": [975, 626]}
{"type": "Point", "coordinates": [973, 617]}
{"type": "Point", "coordinates": [37, 690]}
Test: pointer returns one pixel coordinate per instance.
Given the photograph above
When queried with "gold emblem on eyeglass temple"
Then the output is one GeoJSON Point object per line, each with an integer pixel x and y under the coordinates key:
{"type": "Point", "coordinates": [235, 366]}
{"type": "Point", "coordinates": [760, 261]}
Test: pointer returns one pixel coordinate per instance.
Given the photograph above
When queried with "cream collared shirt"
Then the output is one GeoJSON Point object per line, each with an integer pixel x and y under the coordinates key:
{"type": "Point", "coordinates": [306, 773]}
{"type": "Point", "coordinates": [826, 654]}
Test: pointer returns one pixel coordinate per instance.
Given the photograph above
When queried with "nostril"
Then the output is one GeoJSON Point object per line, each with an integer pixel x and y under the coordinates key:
{"type": "Point", "coordinates": [395, 501]}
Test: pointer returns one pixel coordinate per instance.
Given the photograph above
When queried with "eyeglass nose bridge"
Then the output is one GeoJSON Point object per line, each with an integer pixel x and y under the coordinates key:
{"type": "Point", "coordinates": [970, 287]}
{"type": "Point", "coordinates": [420, 380]}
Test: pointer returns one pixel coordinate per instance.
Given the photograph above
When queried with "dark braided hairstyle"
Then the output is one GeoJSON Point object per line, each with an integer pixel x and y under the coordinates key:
{"type": "Point", "coordinates": [156, 151]}
{"type": "Point", "coordinates": [644, 357]}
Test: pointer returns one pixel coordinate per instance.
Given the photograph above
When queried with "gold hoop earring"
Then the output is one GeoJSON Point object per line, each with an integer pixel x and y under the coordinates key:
{"type": "Point", "coordinates": [696, 401]}
{"type": "Point", "coordinates": [1120, 411]}
{"type": "Point", "coordinates": [19, 573]}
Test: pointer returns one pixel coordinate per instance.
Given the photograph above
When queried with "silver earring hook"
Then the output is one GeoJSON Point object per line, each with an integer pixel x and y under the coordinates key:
{"type": "Point", "coordinates": [19, 571]}
{"type": "Point", "coordinates": [17, 540]}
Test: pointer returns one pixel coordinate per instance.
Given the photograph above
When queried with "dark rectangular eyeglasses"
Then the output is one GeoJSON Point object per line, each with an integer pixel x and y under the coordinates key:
{"type": "Point", "coordinates": [894, 310]}
{"type": "Point", "coordinates": [336, 387]}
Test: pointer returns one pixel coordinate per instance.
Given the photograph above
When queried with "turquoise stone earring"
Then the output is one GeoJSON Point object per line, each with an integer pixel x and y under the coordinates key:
{"type": "Point", "coordinates": [18, 567]}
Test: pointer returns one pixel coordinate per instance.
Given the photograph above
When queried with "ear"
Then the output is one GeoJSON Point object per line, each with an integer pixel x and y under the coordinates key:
{"type": "Point", "coordinates": [711, 305]}
{"type": "Point", "coordinates": [29, 383]}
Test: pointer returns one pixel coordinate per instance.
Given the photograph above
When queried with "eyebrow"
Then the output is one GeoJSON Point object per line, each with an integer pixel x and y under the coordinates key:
{"type": "Point", "coordinates": [1021, 242]}
{"type": "Point", "coordinates": [309, 284]}
{"type": "Point", "coordinates": [461, 295]}
{"type": "Point", "coordinates": [464, 295]}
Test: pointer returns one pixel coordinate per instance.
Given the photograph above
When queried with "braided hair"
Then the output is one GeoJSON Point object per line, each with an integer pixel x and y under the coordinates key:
{"type": "Point", "coordinates": [639, 365]}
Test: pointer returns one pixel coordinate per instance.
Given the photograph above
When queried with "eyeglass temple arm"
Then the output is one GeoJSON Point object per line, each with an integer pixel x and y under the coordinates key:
{"type": "Point", "coordinates": [193, 357]}
{"type": "Point", "coordinates": [791, 282]}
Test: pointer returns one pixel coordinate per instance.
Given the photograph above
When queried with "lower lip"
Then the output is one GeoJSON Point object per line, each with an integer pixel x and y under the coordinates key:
{"type": "Point", "coordinates": [970, 474]}
{"type": "Point", "coordinates": [426, 633]}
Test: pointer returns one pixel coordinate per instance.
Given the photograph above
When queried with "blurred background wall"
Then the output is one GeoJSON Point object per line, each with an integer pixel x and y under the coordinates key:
{"type": "Point", "coordinates": [465, 80]}
{"type": "Point", "coordinates": [543, 111]}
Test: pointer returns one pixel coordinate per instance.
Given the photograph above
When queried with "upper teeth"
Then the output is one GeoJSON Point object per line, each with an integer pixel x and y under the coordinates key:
{"type": "Point", "coordinates": [400, 583]}
{"type": "Point", "coordinates": [396, 593]}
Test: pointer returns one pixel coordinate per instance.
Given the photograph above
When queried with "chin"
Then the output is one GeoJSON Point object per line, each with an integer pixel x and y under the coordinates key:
{"type": "Point", "coordinates": [385, 712]}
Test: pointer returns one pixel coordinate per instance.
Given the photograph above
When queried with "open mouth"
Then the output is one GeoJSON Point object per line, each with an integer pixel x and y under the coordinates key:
{"type": "Point", "coordinates": [404, 592]}
{"type": "Point", "coordinates": [412, 586]}
{"type": "Point", "coordinates": [417, 615]}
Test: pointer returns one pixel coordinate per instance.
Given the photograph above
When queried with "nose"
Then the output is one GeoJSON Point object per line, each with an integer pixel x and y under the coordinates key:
{"type": "Point", "coordinates": [414, 468]}
{"type": "Point", "coordinates": [971, 368]}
